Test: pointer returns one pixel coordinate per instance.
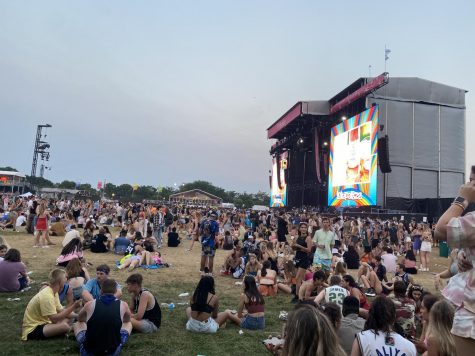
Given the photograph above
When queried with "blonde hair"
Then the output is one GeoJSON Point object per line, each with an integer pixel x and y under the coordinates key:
{"type": "Point", "coordinates": [56, 275]}
{"type": "Point", "coordinates": [441, 318]}
{"type": "Point", "coordinates": [308, 332]}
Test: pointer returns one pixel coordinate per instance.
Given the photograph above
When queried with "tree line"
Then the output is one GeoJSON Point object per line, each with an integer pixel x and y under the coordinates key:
{"type": "Point", "coordinates": [136, 193]}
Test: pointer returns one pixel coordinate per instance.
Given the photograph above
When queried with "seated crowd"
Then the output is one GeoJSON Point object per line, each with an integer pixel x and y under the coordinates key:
{"type": "Point", "coordinates": [352, 281]}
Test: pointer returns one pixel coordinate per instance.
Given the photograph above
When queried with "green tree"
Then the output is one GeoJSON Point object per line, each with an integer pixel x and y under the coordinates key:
{"type": "Point", "coordinates": [8, 169]}
{"type": "Point", "coordinates": [110, 189]}
{"type": "Point", "coordinates": [124, 191]}
{"type": "Point", "coordinates": [67, 184]}
{"type": "Point", "coordinates": [39, 182]}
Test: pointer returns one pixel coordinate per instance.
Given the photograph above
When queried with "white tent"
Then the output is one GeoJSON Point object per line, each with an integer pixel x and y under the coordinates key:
{"type": "Point", "coordinates": [26, 195]}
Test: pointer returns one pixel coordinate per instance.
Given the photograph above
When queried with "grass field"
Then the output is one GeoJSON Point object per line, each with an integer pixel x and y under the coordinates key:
{"type": "Point", "coordinates": [166, 284]}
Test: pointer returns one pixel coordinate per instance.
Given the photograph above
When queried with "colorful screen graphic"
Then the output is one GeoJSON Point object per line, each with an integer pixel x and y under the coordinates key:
{"type": "Point", "coordinates": [278, 196]}
{"type": "Point", "coordinates": [352, 179]}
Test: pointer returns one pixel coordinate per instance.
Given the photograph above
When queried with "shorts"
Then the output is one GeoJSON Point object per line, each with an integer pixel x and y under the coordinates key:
{"type": "Point", "coordinates": [147, 327]}
{"type": "Point", "coordinates": [207, 326]}
{"type": "Point", "coordinates": [37, 333]}
{"type": "Point", "coordinates": [207, 251]}
{"type": "Point", "coordinates": [322, 263]}
{"type": "Point", "coordinates": [302, 263]}
{"type": "Point", "coordinates": [426, 246]}
{"type": "Point", "coordinates": [81, 338]}
{"type": "Point", "coordinates": [253, 323]}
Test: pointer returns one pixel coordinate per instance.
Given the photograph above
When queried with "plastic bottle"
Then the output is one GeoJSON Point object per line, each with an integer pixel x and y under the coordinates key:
{"type": "Point", "coordinates": [171, 306]}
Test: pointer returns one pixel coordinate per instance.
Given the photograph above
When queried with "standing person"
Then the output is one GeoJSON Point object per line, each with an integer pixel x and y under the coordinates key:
{"type": "Point", "coordinates": [379, 337]}
{"type": "Point", "coordinates": [426, 247]}
{"type": "Point", "coordinates": [103, 325]}
{"type": "Point", "coordinates": [351, 324]}
{"type": "Point", "coordinates": [302, 247]}
{"type": "Point", "coordinates": [459, 232]}
{"type": "Point", "coordinates": [147, 315]}
{"type": "Point", "coordinates": [157, 226]}
{"type": "Point", "coordinates": [42, 227]}
{"type": "Point", "coordinates": [282, 229]}
{"type": "Point", "coordinates": [324, 240]}
{"type": "Point", "coordinates": [209, 229]}
{"type": "Point", "coordinates": [44, 316]}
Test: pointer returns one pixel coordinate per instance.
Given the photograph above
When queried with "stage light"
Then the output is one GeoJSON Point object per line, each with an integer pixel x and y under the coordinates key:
{"type": "Point", "coordinates": [301, 140]}
{"type": "Point", "coordinates": [325, 143]}
{"type": "Point", "coordinates": [343, 118]}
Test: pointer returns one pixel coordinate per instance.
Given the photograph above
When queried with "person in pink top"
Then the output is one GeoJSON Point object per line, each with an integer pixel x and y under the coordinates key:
{"type": "Point", "coordinates": [69, 252]}
{"type": "Point", "coordinates": [459, 231]}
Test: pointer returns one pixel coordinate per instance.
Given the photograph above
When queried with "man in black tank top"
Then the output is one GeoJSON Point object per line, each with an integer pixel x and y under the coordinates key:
{"type": "Point", "coordinates": [147, 315]}
{"type": "Point", "coordinates": [103, 324]}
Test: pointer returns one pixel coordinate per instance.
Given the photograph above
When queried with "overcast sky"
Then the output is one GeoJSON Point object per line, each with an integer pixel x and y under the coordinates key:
{"type": "Point", "coordinates": [155, 92]}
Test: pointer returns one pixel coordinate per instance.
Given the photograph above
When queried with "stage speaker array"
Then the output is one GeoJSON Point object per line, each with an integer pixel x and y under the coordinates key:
{"type": "Point", "coordinates": [383, 154]}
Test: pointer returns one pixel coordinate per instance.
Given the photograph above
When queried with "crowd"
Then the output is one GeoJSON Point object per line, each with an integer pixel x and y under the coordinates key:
{"type": "Point", "coordinates": [353, 281]}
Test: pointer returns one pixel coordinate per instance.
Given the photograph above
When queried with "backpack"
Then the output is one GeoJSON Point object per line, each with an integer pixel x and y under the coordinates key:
{"type": "Point", "coordinates": [205, 229]}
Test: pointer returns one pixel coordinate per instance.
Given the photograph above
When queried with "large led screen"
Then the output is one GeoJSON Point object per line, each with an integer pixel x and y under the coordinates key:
{"type": "Point", "coordinates": [278, 195]}
{"type": "Point", "coordinates": [352, 179]}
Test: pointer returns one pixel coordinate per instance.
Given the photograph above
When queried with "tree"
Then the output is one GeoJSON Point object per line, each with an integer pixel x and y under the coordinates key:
{"type": "Point", "coordinates": [8, 169]}
{"type": "Point", "coordinates": [124, 191]}
{"type": "Point", "coordinates": [39, 182]}
{"type": "Point", "coordinates": [67, 184]}
{"type": "Point", "coordinates": [110, 189]}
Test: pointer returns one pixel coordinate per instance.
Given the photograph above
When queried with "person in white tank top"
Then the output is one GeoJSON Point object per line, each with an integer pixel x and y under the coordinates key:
{"type": "Point", "coordinates": [335, 293]}
{"type": "Point", "coordinates": [379, 337]}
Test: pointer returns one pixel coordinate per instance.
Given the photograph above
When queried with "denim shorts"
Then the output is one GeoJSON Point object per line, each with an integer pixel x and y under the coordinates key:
{"type": "Point", "coordinates": [207, 326]}
{"type": "Point", "coordinates": [253, 323]}
{"type": "Point", "coordinates": [147, 327]}
{"type": "Point", "coordinates": [207, 251]}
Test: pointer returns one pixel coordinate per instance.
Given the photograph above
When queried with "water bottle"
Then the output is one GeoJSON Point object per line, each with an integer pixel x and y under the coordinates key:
{"type": "Point", "coordinates": [171, 306]}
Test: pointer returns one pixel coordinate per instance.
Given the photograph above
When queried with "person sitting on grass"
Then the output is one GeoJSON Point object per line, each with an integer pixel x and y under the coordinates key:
{"type": "Point", "coordinates": [290, 273]}
{"type": "Point", "coordinates": [173, 238]}
{"type": "Point", "coordinates": [307, 289]}
{"type": "Point", "coordinates": [3, 251]}
{"type": "Point", "coordinates": [92, 289]}
{"type": "Point", "coordinates": [13, 272]}
{"type": "Point", "coordinates": [77, 276]}
{"type": "Point", "coordinates": [100, 243]}
{"type": "Point", "coordinates": [147, 316]}
{"type": "Point", "coordinates": [335, 293]}
{"type": "Point", "coordinates": [372, 277]}
{"type": "Point", "coordinates": [267, 280]}
{"type": "Point", "coordinates": [253, 301]}
{"type": "Point", "coordinates": [252, 266]}
{"type": "Point", "coordinates": [44, 316]}
{"type": "Point", "coordinates": [103, 325]}
{"type": "Point", "coordinates": [203, 316]}
{"type": "Point", "coordinates": [232, 262]}
{"type": "Point", "coordinates": [73, 250]}
{"type": "Point", "coordinates": [121, 243]}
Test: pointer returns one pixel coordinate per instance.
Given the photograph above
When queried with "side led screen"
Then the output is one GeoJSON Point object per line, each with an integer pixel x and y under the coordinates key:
{"type": "Point", "coordinates": [352, 179]}
{"type": "Point", "coordinates": [278, 195]}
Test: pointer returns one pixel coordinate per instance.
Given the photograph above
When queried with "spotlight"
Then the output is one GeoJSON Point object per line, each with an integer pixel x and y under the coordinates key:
{"type": "Point", "coordinates": [343, 118]}
{"type": "Point", "coordinates": [325, 143]}
{"type": "Point", "coordinates": [301, 140]}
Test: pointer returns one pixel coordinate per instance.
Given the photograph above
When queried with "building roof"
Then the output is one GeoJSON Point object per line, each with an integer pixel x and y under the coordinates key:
{"type": "Point", "coordinates": [195, 190]}
{"type": "Point", "coordinates": [58, 190]}
{"type": "Point", "coordinates": [10, 173]}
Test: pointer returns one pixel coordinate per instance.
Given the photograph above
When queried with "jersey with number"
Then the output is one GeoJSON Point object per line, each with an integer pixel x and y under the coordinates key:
{"type": "Point", "coordinates": [336, 294]}
{"type": "Point", "coordinates": [382, 344]}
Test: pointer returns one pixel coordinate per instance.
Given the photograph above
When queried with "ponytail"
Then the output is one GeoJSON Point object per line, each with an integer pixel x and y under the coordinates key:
{"type": "Point", "coordinates": [265, 266]}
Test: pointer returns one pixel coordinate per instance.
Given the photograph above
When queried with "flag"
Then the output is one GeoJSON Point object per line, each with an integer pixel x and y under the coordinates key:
{"type": "Point", "coordinates": [386, 53]}
{"type": "Point", "coordinates": [99, 185]}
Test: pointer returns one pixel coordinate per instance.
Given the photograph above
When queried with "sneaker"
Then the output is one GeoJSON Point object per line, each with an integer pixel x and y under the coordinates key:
{"type": "Point", "coordinates": [370, 293]}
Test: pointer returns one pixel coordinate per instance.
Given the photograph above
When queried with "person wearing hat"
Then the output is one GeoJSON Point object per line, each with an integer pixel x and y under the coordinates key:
{"type": "Point", "coordinates": [92, 289]}
{"type": "Point", "coordinates": [209, 228]}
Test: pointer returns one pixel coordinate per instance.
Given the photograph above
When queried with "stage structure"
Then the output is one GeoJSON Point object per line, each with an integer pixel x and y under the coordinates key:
{"type": "Point", "coordinates": [327, 152]}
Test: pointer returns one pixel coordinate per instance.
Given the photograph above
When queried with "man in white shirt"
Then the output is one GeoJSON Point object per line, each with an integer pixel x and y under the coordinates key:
{"type": "Point", "coordinates": [20, 220]}
{"type": "Point", "coordinates": [71, 234]}
{"type": "Point", "coordinates": [389, 260]}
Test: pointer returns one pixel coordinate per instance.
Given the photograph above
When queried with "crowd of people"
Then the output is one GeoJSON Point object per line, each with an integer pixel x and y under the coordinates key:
{"type": "Point", "coordinates": [352, 282]}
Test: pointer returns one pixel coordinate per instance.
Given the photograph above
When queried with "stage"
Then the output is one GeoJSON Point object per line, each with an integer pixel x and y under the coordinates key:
{"type": "Point", "coordinates": [391, 143]}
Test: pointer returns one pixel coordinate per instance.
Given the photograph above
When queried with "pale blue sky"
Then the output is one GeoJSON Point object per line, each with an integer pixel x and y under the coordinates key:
{"type": "Point", "coordinates": [154, 92]}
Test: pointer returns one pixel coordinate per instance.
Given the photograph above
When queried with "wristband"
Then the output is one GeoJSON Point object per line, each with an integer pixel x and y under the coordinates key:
{"type": "Point", "coordinates": [461, 206]}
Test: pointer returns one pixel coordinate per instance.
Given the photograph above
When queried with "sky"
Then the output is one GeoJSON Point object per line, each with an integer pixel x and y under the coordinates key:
{"type": "Point", "coordinates": [163, 92]}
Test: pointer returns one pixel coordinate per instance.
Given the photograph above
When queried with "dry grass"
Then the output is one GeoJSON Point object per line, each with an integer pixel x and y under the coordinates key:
{"type": "Point", "coordinates": [166, 284]}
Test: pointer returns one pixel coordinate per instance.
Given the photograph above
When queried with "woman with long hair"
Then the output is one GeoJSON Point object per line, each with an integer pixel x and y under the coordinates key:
{"type": "Point", "coordinates": [202, 314]}
{"type": "Point", "coordinates": [69, 252]}
{"type": "Point", "coordinates": [41, 228]}
{"type": "Point", "coordinates": [340, 269]}
{"type": "Point", "coordinates": [426, 247]}
{"type": "Point", "coordinates": [267, 279]}
{"type": "Point", "coordinates": [309, 333]}
{"type": "Point", "coordinates": [428, 302]}
{"type": "Point", "coordinates": [440, 341]}
{"type": "Point", "coordinates": [252, 266]}
{"type": "Point", "coordinates": [76, 278]}
{"type": "Point", "coordinates": [302, 246]}
{"type": "Point", "coordinates": [410, 263]}
{"type": "Point", "coordinates": [289, 278]}
{"type": "Point", "coordinates": [349, 283]}
{"type": "Point", "coordinates": [378, 337]}
{"type": "Point", "coordinates": [253, 301]}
